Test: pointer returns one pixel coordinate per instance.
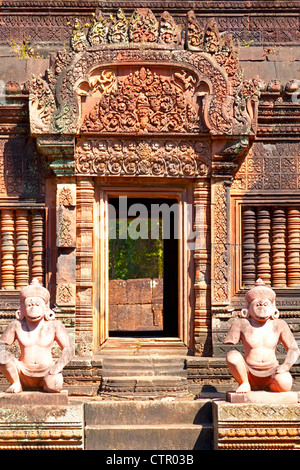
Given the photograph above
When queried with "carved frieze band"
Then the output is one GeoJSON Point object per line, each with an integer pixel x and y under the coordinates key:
{"type": "Point", "coordinates": [142, 158]}
{"type": "Point", "coordinates": [253, 21]}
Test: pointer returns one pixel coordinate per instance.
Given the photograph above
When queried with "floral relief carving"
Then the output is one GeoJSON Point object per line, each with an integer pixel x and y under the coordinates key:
{"type": "Point", "coordinates": [145, 102]}
{"type": "Point", "coordinates": [269, 167]}
{"type": "Point", "coordinates": [118, 31]}
{"type": "Point", "coordinates": [65, 293]}
{"type": "Point", "coordinates": [220, 252]}
{"type": "Point", "coordinates": [41, 104]}
{"type": "Point", "coordinates": [143, 26]}
{"type": "Point", "coordinates": [143, 158]}
{"type": "Point", "coordinates": [66, 236]}
{"type": "Point", "coordinates": [66, 196]}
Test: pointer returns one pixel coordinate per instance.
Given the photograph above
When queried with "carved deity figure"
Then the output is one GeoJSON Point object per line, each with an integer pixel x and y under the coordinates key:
{"type": "Point", "coordinates": [260, 330]}
{"type": "Point", "coordinates": [36, 330]}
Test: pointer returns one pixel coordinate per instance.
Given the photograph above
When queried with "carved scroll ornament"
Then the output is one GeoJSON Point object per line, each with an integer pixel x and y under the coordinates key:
{"type": "Point", "coordinates": [142, 158]}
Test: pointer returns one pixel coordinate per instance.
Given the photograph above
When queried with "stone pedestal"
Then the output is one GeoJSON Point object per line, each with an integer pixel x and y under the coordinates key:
{"type": "Point", "coordinates": [261, 426]}
{"type": "Point", "coordinates": [34, 398]}
{"type": "Point", "coordinates": [29, 424]}
{"type": "Point", "coordinates": [263, 397]}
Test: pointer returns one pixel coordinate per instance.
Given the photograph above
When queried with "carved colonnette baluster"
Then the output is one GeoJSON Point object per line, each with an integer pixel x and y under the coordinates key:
{"type": "Point", "coordinates": [249, 247]}
{"type": "Point", "coordinates": [7, 249]}
{"type": "Point", "coordinates": [202, 319]}
{"type": "Point", "coordinates": [84, 265]}
{"type": "Point", "coordinates": [279, 273]}
{"type": "Point", "coordinates": [264, 245]}
{"type": "Point", "coordinates": [220, 257]}
{"type": "Point", "coordinates": [293, 225]}
{"type": "Point", "coordinates": [22, 248]}
{"type": "Point", "coordinates": [37, 249]}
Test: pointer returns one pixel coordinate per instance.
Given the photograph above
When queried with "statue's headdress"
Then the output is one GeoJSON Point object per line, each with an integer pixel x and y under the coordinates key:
{"type": "Point", "coordinates": [35, 289]}
{"type": "Point", "coordinates": [260, 291]}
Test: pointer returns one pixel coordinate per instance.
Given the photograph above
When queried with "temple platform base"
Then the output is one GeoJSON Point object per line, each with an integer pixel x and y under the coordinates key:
{"type": "Point", "coordinates": [40, 426]}
{"type": "Point", "coordinates": [262, 397]}
{"type": "Point", "coordinates": [256, 426]}
{"type": "Point", "coordinates": [34, 398]}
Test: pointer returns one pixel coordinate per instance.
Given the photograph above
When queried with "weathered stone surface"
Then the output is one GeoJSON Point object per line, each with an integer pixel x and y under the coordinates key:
{"type": "Point", "coordinates": [41, 427]}
{"type": "Point", "coordinates": [135, 304]}
{"type": "Point", "coordinates": [263, 397]}
{"type": "Point", "coordinates": [143, 425]}
{"type": "Point", "coordinates": [34, 398]}
{"type": "Point", "coordinates": [144, 375]}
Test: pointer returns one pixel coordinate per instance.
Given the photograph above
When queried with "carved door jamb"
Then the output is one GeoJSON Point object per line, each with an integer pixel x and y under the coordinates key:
{"type": "Point", "coordinates": [185, 277]}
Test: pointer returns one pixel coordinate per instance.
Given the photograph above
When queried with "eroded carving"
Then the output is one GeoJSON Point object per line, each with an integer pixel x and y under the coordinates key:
{"type": "Point", "coordinates": [118, 31]}
{"type": "Point", "coordinates": [99, 30]}
{"type": "Point", "coordinates": [143, 26]}
{"type": "Point", "coordinates": [169, 31]}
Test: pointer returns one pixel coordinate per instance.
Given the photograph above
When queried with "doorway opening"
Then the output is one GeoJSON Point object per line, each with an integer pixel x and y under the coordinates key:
{"type": "Point", "coordinates": [143, 267]}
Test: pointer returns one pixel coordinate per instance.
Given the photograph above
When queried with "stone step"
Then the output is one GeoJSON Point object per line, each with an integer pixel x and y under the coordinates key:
{"type": "Point", "coordinates": [144, 366]}
{"type": "Point", "coordinates": [143, 361]}
{"type": "Point", "coordinates": [141, 412]}
{"type": "Point", "coordinates": [149, 437]}
{"type": "Point", "coordinates": [143, 346]}
{"type": "Point", "coordinates": [145, 385]}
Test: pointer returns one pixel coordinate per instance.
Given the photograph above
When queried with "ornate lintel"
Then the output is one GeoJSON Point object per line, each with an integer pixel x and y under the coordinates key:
{"type": "Point", "coordinates": [142, 157]}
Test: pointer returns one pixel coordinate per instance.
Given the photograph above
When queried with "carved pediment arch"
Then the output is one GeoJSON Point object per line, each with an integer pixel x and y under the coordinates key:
{"type": "Point", "coordinates": [147, 98]}
{"type": "Point", "coordinates": [95, 73]}
{"type": "Point", "coordinates": [134, 76]}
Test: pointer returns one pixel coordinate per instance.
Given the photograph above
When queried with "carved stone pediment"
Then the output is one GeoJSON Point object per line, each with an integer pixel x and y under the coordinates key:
{"type": "Point", "coordinates": [142, 76]}
{"type": "Point", "coordinates": [142, 101]}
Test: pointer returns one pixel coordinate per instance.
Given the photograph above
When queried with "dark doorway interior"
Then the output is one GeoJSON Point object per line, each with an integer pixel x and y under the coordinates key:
{"type": "Point", "coordinates": [143, 267]}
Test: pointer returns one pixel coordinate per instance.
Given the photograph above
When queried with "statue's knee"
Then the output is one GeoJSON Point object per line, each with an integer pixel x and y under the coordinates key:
{"type": "Point", "coordinates": [282, 382]}
{"type": "Point", "coordinates": [234, 357]}
{"type": "Point", "coordinates": [53, 383]}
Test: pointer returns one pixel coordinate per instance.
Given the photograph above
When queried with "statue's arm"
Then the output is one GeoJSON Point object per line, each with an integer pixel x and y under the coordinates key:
{"type": "Point", "coordinates": [288, 340]}
{"type": "Point", "coordinates": [9, 334]}
{"type": "Point", "coordinates": [7, 338]}
{"type": "Point", "coordinates": [234, 334]}
{"type": "Point", "coordinates": [63, 340]}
